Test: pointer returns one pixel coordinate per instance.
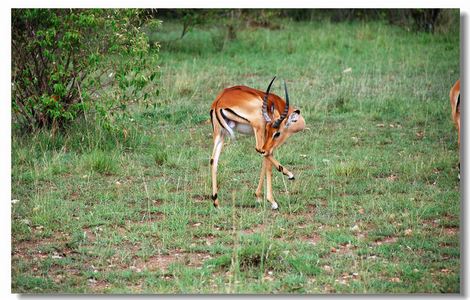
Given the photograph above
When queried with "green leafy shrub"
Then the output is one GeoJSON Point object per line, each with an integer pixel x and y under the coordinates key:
{"type": "Point", "coordinates": [67, 62]}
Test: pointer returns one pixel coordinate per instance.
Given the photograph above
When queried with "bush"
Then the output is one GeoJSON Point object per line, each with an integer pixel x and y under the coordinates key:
{"type": "Point", "coordinates": [427, 20]}
{"type": "Point", "coordinates": [66, 62]}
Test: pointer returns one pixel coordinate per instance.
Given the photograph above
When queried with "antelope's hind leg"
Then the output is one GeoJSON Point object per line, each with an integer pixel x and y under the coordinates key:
{"type": "Point", "coordinates": [218, 144]}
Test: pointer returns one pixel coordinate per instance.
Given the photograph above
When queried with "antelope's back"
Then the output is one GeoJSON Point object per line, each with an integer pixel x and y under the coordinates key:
{"type": "Point", "coordinates": [246, 100]}
{"type": "Point", "coordinates": [236, 94]}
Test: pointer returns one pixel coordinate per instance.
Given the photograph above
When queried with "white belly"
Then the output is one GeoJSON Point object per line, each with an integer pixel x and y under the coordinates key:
{"type": "Point", "coordinates": [244, 128]}
{"type": "Point", "coordinates": [241, 128]}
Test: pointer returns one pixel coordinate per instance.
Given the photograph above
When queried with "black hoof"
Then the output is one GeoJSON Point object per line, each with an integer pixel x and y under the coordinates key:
{"type": "Point", "coordinates": [215, 200]}
{"type": "Point", "coordinates": [291, 178]}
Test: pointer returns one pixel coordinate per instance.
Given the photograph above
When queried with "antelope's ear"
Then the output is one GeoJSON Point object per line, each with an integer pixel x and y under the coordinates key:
{"type": "Point", "coordinates": [293, 118]}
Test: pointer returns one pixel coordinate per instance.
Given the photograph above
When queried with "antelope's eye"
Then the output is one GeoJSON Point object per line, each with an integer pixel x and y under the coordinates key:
{"type": "Point", "coordinates": [276, 134]}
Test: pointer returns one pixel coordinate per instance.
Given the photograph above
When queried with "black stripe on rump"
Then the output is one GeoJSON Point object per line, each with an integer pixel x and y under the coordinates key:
{"type": "Point", "coordinates": [212, 122]}
{"type": "Point", "coordinates": [457, 106]}
{"type": "Point", "coordinates": [218, 119]}
{"type": "Point", "coordinates": [231, 111]}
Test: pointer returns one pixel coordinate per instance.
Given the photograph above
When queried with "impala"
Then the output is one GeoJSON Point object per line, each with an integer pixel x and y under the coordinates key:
{"type": "Point", "coordinates": [454, 96]}
{"type": "Point", "coordinates": [455, 106]}
{"type": "Point", "coordinates": [249, 111]}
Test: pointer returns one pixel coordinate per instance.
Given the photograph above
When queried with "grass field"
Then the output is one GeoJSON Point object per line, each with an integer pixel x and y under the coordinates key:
{"type": "Point", "coordinates": [374, 208]}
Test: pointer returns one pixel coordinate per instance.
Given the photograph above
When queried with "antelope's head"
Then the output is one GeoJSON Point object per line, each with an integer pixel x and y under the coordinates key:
{"type": "Point", "coordinates": [278, 131]}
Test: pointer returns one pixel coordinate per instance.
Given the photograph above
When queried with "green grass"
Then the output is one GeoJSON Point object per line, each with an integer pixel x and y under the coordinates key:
{"type": "Point", "coordinates": [374, 209]}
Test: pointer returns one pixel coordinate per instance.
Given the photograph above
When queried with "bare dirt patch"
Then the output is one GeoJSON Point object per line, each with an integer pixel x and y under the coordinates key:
{"type": "Point", "coordinates": [346, 248]}
{"type": "Point", "coordinates": [151, 216]}
{"type": "Point", "coordinates": [431, 223]}
{"type": "Point", "coordinates": [343, 249]}
{"type": "Point", "coordinates": [74, 196]}
{"type": "Point", "coordinates": [451, 230]}
{"type": "Point", "coordinates": [34, 252]}
{"type": "Point", "coordinates": [255, 229]}
{"type": "Point", "coordinates": [304, 218]}
{"type": "Point", "coordinates": [312, 208]}
{"type": "Point", "coordinates": [98, 286]}
{"type": "Point", "coordinates": [157, 202]}
{"type": "Point", "coordinates": [198, 198]}
{"type": "Point", "coordinates": [90, 235]}
{"type": "Point", "coordinates": [313, 239]}
{"type": "Point", "coordinates": [204, 239]}
{"type": "Point", "coordinates": [30, 249]}
{"type": "Point", "coordinates": [210, 238]}
{"type": "Point", "coordinates": [387, 240]}
{"type": "Point", "coordinates": [161, 262]}
{"type": "Point", "coordinates": [347, 277]}
{"type": "Point", "coordinates": [446, 228]}
{"type": "Point", "coordinates": [194, 224]}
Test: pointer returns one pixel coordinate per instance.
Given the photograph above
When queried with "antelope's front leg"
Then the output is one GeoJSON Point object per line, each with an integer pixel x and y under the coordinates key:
{"type": "Point", "coordinates": [259, 138]}
{"type": "Point", "coordinates": [280, 168]}
{"type": "Point", "coordinates": [259, 190]}
{"type": "Point", "coordinates": [269, 186]}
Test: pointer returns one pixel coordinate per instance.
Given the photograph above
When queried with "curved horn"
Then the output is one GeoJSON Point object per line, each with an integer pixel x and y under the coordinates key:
{"type": "Point", "coordinates": [265, 102]}
{"type": "Point", "coordinates": [286, 109]}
